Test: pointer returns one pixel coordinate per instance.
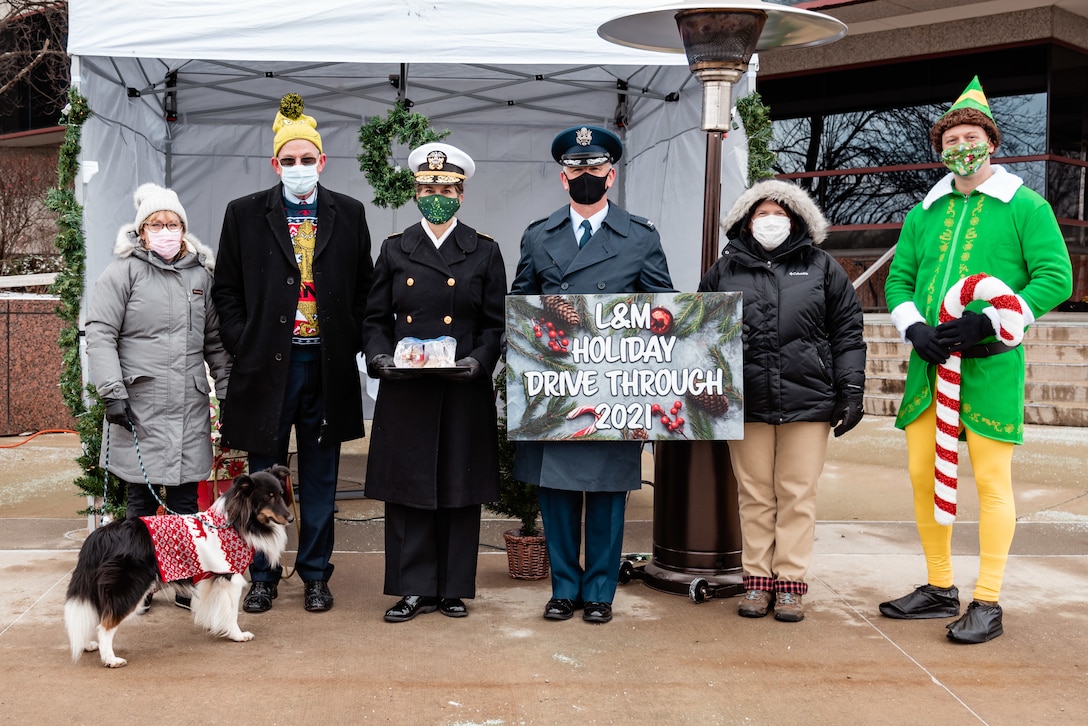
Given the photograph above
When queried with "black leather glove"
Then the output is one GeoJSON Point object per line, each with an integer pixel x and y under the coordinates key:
{"type": "Point", "coordinates": [849, 410]}
{"type": "Point", "coordinates": [924, 339]}
{"type": "Point", "coordinates": [119, 412]}
{"type": "Point", "coordinates": [383, 368]}
{"type": "Point", "coordinates": [222, 408]}
{"type": "Point", "coordinates": [744, 330]}
{"type": "Point", "coordinates": [467, 369]}
{"type": "Point", "coordinates": [964, 331]}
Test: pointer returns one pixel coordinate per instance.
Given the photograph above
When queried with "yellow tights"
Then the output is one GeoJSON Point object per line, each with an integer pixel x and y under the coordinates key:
{"type": "Point", "coordinates": [992, 463]}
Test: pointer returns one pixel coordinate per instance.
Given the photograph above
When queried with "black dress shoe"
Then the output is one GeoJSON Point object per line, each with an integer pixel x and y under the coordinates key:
{"type": "Point", "coordinates": [925, 602]}
{"type": "Point", "coordinates": [453, 607]}
{"type": "Point", "coordinates": [980, 622]}
{"type": "Point", "coordinates": [260, 597]}
{"type": "Point", "coordinates": [410, 606]}
{"type": "Point", "coordinates": [317, 599]}
{"type": "Point", "coordinates": [597, 612]}
{"type": "Point", "coordinates": [561, 609]}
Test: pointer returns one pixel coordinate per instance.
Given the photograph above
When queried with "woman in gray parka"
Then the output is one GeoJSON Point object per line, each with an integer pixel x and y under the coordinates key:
{"type": "Point", "coordinates": [151, 327]}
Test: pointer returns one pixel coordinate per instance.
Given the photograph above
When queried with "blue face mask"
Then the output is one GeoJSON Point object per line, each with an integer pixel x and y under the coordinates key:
{"type": "Point", "coordinates": [298, 179]}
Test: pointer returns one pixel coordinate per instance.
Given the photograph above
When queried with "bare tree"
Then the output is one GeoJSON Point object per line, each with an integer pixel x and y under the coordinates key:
{"type": "Point", "coordinates": [893, 138]}
{"type": "Point", "coordinates": [26, 227]}
{"type": "Point", "coordinates": [33, 52]}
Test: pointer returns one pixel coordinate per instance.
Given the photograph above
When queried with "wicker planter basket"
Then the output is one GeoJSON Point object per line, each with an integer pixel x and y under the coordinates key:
{"type": "Point", "coordinates": [527, 557]}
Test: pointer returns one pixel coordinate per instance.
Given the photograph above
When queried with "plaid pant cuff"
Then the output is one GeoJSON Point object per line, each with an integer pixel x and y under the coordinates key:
{"type": "Point", "coordinates": [797, 588]}
{"type": "Point", "coordinates": [752, 582]}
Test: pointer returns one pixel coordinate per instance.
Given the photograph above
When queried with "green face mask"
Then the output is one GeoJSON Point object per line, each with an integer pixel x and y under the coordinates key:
{"type": "Point", "coordinates": [438, 209]}
{"type": "Point", "coordinates": [965, 159]}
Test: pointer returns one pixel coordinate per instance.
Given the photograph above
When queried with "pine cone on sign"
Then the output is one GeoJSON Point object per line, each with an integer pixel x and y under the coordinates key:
{"type": "Point", "coordinates": [639, 434]}
{"type": "Point", "coordinates": [559, 309]}
{"type": "Point", "coordinates": [716, 404]}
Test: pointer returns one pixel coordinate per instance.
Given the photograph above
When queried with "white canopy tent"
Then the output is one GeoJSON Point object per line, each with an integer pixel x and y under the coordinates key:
{"type": "Point", "coordinates": [503, 76]}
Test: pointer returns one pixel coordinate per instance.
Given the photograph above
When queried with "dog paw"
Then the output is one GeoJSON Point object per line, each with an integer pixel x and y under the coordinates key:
{"type": "Point", "coordinates": [241, 637]}
{"type": "Point", "coordinates": [115, 662]}
{"type": "Point", "coordinates": [91, 647]}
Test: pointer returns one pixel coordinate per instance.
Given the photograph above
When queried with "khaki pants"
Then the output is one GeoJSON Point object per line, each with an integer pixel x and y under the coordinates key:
{"type": "Point", "coordinates": [777, 468]}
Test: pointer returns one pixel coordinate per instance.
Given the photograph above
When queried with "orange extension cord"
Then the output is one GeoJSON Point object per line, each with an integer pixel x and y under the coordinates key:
{"type": "Point", "coordinates": [48, 431]}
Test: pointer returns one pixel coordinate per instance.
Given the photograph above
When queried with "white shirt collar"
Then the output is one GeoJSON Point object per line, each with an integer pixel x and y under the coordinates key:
{"type": "Point", "coordinates": [295, 200]}
{"type": "Point", "coordinates": [595, 221]}
{"type": "Point", "coordinates": [439, 240]}
{"type": "Point", "coordinates": [1001, 185]}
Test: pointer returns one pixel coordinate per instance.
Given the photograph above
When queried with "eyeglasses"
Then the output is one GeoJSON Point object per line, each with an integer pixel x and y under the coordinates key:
{"type": "Point", "coordinates": [157, 226]}
{"type": "Point", "coordinates": [305, 161]}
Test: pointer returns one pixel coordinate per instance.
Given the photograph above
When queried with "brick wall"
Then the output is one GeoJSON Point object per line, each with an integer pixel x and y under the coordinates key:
{"type": "Point", "coordinates": [30, 366]}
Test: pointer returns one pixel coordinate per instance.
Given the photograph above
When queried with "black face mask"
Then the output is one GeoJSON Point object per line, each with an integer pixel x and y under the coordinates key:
{"type": "Point", "coordinates": [586, 188]}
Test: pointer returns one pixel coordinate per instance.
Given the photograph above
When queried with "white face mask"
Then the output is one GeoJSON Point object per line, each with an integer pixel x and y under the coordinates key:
{"type": "Point", "coordinates": [298, 179]}
{"type": "Point", "coordinates": [771, 231]}
{"type": "Point", "coordinates": [164, 243]}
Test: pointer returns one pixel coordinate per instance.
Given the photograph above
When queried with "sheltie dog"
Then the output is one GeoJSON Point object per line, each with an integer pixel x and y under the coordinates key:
{"type": "Point", "coordinates": [201, 556]}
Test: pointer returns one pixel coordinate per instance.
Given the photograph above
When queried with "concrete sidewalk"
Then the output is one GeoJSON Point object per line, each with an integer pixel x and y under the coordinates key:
{"type": "Point", "coordinates": [662, 660]}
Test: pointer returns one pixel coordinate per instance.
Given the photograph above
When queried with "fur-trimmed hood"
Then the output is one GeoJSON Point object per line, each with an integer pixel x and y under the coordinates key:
{"type": "Point", "coordinates": [128, 241]}
{"type": "Point", "coordinates": [790, 196]}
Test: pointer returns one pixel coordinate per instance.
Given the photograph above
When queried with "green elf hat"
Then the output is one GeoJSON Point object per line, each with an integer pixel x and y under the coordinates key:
{"type": "Point", "coordinates": [970, 108]}
{"type": "Point", "coordinates": [973, 97]}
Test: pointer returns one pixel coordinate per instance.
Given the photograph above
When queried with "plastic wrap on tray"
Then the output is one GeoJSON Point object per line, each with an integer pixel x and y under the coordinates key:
{"type": "Point", "coordinates": [429, 353]}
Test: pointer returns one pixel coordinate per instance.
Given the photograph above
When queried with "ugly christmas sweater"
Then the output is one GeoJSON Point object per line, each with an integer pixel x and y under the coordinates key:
{"type": "Point", "coordinates": [1003, 229]}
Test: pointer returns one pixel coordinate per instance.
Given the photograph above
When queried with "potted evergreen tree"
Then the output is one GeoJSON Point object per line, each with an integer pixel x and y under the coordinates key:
{"type": "Point", "coordinates": [526, 552]}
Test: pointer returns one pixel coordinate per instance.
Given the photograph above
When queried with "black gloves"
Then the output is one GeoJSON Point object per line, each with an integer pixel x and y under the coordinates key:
{"type": "Point", "coordinates": [119, 412]}
{"type": "Point", "coordinates": [222, 408]}
{"type": "Point", "coordinates": [964, 331]}
{"type": "Point", "coordinates": [744, 330]}
{"type": "Point", "coordinates": [383, 368]}
{"type": "Point", "coordinates": [924, 339]}
{"type": "Point", "coordinates": [467, 369]}
{"type": "Point", "coordinates": [849, 408]}
{"type": "Point", "coordinates": [375, 365]}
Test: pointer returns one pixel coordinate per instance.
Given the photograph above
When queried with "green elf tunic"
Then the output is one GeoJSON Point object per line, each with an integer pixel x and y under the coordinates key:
{"type": "Point", "coordinates": [1006, 230]}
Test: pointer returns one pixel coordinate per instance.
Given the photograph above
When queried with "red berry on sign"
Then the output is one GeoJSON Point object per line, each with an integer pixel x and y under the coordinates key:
{"type": "Point", "coordinates": [551, 334]}
{"type": "Point", "coordinates": [665, 420]}
{"type": "Point", "coordinates": [656, 409]}
{"type": "Point", "coordinates": [538, 334]}
{"type": "Point", "coordinates": [565, 341]}
{"type": "Point", "coordinates": [674, 410]}
{"type": "Point", "coordinates": [677, 404]}
{"type": "Point", "coordinates": [679, 422]}
{"type": "Point", "coordinates": [562, 332]}
{"type": "Point", "coordinates": [551, 326]}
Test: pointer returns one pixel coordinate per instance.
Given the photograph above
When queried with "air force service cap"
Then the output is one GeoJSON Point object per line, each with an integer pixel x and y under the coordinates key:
{"type": "Point", "coordinates": [586, 146]}
{"type": "Point", "coordinates": [438, 163]}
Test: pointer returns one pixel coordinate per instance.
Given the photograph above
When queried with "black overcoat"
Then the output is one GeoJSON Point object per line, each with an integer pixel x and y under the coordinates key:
{"type": "Point", "coordinates": [433, 441]}
{"type": "Point", "coordinates": [256, 294]}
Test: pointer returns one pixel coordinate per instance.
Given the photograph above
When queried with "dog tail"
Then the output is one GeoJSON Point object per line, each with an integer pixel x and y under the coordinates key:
{"type": "Point", "coordinates": [80, 620]}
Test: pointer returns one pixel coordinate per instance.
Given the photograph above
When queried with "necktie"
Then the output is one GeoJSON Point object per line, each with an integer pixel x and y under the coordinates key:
{"type": "Point", "coordinates": [587, 232]}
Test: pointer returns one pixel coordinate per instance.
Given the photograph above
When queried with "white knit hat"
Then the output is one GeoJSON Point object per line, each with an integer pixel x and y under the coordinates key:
{"type": "Point", "coordinates": [151, 198]}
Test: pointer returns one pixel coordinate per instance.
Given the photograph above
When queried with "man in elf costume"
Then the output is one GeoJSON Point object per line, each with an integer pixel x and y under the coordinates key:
{"type": "Point", "coordinates": [977, 219]}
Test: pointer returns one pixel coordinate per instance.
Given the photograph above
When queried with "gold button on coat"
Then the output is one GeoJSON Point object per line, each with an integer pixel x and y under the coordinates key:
{"type": "Point", "coordinates": [408, 319]}
{"type": "Point", "coordinates": [447, 320]}
{"type": "Point", "coordinates": [411, 281]}
{"type": "Point", "coordinates": [450, 282]}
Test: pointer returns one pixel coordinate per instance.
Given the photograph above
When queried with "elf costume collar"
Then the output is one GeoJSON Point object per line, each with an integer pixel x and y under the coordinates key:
{"type": "Point", "coordinates": [1002, 185]}
{"type": "Point", "coordinates": [196, 546]}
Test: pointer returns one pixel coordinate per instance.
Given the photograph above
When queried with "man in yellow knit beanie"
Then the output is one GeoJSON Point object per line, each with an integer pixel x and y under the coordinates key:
{"type": "Point", "coordinates": [291, 284]}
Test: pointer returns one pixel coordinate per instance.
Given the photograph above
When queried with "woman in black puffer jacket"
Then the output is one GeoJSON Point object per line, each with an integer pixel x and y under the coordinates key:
{"type": "Point", "coordinates": [804, 372]}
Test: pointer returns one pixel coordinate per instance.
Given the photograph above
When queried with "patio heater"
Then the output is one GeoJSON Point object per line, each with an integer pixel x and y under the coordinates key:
{"type": "Point", "coordinates": [696, 524]}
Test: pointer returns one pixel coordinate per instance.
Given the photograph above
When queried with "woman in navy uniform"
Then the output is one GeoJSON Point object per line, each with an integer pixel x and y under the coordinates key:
{"type": "Point", "coordinates": [433, 452]}
{"type": "Point", "coordinates": [590, 246]}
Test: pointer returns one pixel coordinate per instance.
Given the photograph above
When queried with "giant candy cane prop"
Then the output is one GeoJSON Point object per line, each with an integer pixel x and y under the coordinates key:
{"type": "Point", "coordinates": [998, 294]}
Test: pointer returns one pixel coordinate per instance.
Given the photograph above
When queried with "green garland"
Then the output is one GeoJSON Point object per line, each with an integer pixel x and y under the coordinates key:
{"type": "Point", "coordinates": [393, 186]}
{"type": "Point", "coordinates": [756, 118]}
{"type": "Point", "coordinates": [61, 200]}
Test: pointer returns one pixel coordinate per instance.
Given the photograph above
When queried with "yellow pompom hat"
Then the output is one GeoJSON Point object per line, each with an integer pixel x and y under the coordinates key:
{"type": "Point", "coordinates": [291, 123]}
